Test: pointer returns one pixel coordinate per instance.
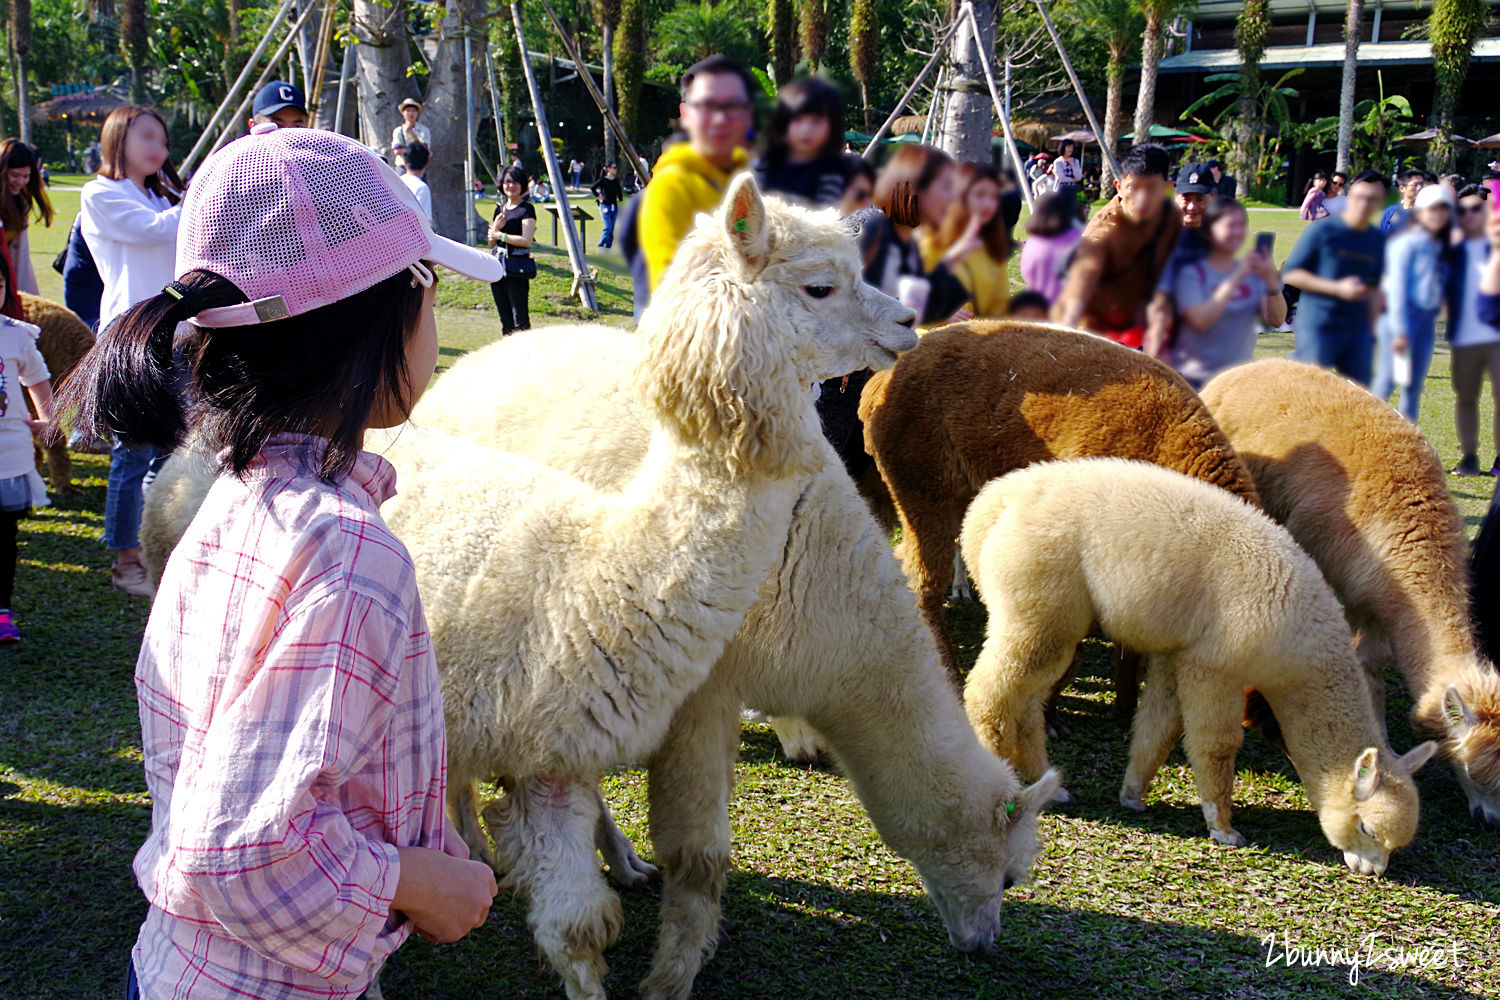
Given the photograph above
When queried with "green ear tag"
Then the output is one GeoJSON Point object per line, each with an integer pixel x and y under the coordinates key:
{"type": "Point", "coordinates": [740, 225]}
{"type": "Point", "coordinates": [1010, 807]}
{"type": "Point", "coordinates": [1364, 771]}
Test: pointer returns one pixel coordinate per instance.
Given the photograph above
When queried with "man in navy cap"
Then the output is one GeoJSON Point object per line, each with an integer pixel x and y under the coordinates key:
{"type": "Point", "coordinates": [1195, 187]}
{"type": "Point", "coordinates": [280, 103]}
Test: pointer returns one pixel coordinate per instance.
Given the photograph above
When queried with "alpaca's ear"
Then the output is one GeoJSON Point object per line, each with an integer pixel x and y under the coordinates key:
{"type": "Point", "coordinates": [1366, 774]}
{"type": "Point", "coordinates": [1457, 715]}
{"type": "Point", "coordinates": [743, 217]}
{"type": "Point", "coordinates": [1034, 797]}
{"type": "Point", "coordinates": [1413, 759]}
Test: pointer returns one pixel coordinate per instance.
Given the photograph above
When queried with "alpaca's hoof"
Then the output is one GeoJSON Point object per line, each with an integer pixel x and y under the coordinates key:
{"type": "Point", "coordinates": [628, 871]}
{"type": "Point", "coordinates": [799, 740]}
{"type": "Point", "coordinates": [1132, 803]}
{"type": "Point", "coordinates": [1062, 796]}
{"type": "Point", "coordinates": [961, 591]}
{"type": "Point", "coordinates": [1229, 838]}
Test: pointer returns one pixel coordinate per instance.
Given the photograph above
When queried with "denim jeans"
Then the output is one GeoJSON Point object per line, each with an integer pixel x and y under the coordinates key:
{"type": "Point", "coordinates": [1422, 334]}
{"type": "Point", "coordinates": [131, 470]}
{"type": "Point", "coordinates": [132, 987]}
{"type": "Point", "coordinates": [610, 213]}
{"type": "Point", "coordinates": [1348, 352]}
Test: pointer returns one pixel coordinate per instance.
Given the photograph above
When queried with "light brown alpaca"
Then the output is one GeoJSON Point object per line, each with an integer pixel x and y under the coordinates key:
{"type": "Point", "coordinates": [1219, 596]}
{"type": "Point", "coordinates": [1363, 493]}
{"type": "Point", "coordinates": [977, 400]}
{"type": "Point", "coordinates": [63, 341]}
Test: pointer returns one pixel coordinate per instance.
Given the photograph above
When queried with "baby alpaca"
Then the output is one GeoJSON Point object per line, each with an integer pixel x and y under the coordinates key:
{"type": "Point", "coordinates": [63, 341]}
{"type": "Point", "coordinates": [1219, 597]}
{"type": "Point", "coordinates": [1362, 491]}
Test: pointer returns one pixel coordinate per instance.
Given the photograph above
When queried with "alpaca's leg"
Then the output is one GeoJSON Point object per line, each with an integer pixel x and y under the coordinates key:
{"type": "Point", "coordinates": [463, 810]}
{"type": "Point", "coordinates": [1129, 666]}
{"type": "Point", "coordinates": [60, 468]}
{"type": "Point", "coordinates": [691, 776]}
{"type": "Point", "coordinates": [1005, 696]}
{"type": "Point", "coordinates": [626, 869]}
{"type": "Point", "coordinates": [1055, 725]}
{"type": "Point", "coordinates": [1158, 727]}
{"type": "Point", "coordinates": [929, 543]}
{"type": "Point", "coordinates": [544, 832]}
{"type": "Point", "coordinates": [1213, 733]}
{"type": "Point", "coordinates": [1374, 650]}
{"type": "Point", "coordinates": [961, 591]}
{"type": "Point", "coordinates": [799, 740]}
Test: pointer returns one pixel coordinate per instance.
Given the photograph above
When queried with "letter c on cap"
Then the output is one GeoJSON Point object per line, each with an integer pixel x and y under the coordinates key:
{"type": "Point", "coordinates": [287, 95]}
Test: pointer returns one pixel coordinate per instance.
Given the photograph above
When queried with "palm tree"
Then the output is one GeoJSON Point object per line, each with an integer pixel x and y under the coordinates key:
{"type": "Point", "coordinates": [630, 63]}
{"type": "Point", "coordinates": [1158, 14]}
{"type": "Point", "coordinates": [1114, 24]}
{"type": "Point", "coordinates": [1250, 30]}
{"type": "Point", "coordinates": [1453, 26]}
{"type": "Point", "coordinates": [813, 28]}
{"type": "Point", "coordinates": [1346, 89]}
{"type": "Point", "coordinates": [693, 31]}
{"type": "Point", "coordinates": [133, 40]}
{"type": "Point", "coordinates": [609, 18]}
{"type": "Point", "coordinates": [781, 31]}
{"type": "Point", "coordinates": [20, 38]}
{"type": "Point", "coordinates": [864, 49]}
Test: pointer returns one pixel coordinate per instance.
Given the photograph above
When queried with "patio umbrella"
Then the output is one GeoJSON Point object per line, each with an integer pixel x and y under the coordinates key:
{"type": "Point", "coordinates": [1427, 135]}
{"type": "Point", "coordinates": [857, 137]}
{"type": "Point", "coordinates": [1077, 135]}
{"type": "Point", "coordinates": [902, 139]}
{"type": "Point", "coordinates": [1488, 142]}
{"type": "Point", "coordinates": [1165, 132]}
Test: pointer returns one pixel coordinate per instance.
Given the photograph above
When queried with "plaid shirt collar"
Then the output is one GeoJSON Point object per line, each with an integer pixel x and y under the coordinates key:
{"type": "Point", "coordinates": [289, 456]}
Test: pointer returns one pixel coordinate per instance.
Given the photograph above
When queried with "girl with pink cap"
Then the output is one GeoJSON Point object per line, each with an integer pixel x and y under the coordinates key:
{"type": "Point", "coordinates": [291, 717]}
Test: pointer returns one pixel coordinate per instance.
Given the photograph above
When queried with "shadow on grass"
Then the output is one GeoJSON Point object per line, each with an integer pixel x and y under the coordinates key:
{"type": "Point", "coordinates": [793, 938]}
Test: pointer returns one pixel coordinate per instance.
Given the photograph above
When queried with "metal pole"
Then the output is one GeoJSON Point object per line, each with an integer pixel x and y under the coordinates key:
{"type": "Point", "coordinates": [588, 82]}
{"type": "Point", "coordinates": [1109, 154]}
{"type": "Point", "coordinates": [581, 276]}
{"type": "Point", "coordinates": [989, 78]}
{"type": "Point", "coordinates": [901, 104]}
{"type": "Point", "coordinates": [344, 71]}
{"type": "Point", "coordinates": [320, 61]}
{"type": "Point", "coordinates": [192, 157]}
{"type": "Point", "coordinates": [489, 65]}
{"type": "Point", "coordinates": [472, 211]}
{"type": "Point", "coordinates": [935, 110]}
{"type": "Point", "coordinates": [286, 44]}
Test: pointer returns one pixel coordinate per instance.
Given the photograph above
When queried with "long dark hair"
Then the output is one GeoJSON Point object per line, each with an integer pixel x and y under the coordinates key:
{"type": "Point", "coordinates": [995, 233]}
{"type": "Point", "coordinates": [1054, 214]}
{"type": "Point", "coordinates": [516, 174]}
{"type": "Point", "coordinates": [1314, 180]}
{"type": "Point", "coordinates": [164, 183]}
{"type": "Point", "coordinates": [901, 182]}
{"type": "Point", "coordinates": [15, 154]}
{"type": "Point", "coordinates": [331, 364]}
{"type": "Point", "coordinates": [805, 95]}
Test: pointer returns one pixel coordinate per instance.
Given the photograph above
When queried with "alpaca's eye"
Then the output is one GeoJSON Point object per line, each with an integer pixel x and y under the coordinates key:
{"type": "Point", "coordinates": [1365, 830]}
{"type": "Point", "coordinates": [818, 291]}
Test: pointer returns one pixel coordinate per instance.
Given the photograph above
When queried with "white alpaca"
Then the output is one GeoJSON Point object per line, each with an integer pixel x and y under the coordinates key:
{"type": "Point", "coordinates": [835, 638]}
{"type": "Point", "coordinates": [1220, 598]}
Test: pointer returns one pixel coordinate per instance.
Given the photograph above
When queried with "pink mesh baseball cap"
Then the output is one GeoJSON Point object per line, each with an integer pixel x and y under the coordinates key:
{"type": "Point", "coordinates": [299, 218]}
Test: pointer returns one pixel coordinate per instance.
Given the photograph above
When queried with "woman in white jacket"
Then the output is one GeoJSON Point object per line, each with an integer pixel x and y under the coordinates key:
{"type": "Point", "coordinates": [129, 220]}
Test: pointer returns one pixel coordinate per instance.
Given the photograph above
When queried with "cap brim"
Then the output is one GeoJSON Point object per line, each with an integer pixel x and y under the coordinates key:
{"type": "Point", "coordinates": [466, 260]}
{"type": "Point", "coordinates": [281, 107]}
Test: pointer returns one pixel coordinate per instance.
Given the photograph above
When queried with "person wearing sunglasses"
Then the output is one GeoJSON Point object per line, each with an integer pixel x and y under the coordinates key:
{"type": "Point", "coordinates": [716, 113]}
{"type": "Point", "coordinates": [1475, 343]}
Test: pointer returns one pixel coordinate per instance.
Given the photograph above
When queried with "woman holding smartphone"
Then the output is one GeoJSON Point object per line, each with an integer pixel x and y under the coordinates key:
{"type": "Point", "coordinates": [1224, 303]}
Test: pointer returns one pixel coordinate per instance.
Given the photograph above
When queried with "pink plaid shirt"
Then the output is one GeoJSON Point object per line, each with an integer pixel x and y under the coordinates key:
{"type": "Point", "coordinates": [292, 724]}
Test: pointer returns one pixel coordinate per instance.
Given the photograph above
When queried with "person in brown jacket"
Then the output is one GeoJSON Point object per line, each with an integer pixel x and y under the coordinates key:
{"type": "Point", "coordinates": [1122, 254]}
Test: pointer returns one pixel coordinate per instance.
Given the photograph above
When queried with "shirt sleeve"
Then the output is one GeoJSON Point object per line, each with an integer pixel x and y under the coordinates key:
{"type": "Point", "coordinates": [254, 837]}
{"type": "Point", "coordinates": [32, 366]}
{"type": "Point", "coordinates": [1303, 252]}
{"type": "Point", "coordinates": [666, 216]}
{"type": "Point", "coordinates": [109, 214]}
{"type": "Point", "coordinates": [1192, 287]}
{"type": "Point", "coordinates": [1396, 282]}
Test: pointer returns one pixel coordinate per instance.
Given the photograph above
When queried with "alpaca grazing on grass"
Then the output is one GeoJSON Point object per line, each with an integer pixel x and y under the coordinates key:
{"type": "Point", "coordinates": [1363, 493]}
{"type": "Point", "coordinates": [977, 400]}
{"type": "Point", "coordinates": [1219, 597]}
{"type": "Point", "coordinates": [858, 661]}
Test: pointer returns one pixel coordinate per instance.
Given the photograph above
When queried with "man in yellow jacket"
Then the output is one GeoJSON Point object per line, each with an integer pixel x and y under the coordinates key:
{"type": "Point", "coordinates": [690, 177]}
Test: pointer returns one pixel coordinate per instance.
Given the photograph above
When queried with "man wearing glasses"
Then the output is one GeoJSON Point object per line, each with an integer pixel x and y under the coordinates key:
{"type": "Point", "coordinates": [690, 177]}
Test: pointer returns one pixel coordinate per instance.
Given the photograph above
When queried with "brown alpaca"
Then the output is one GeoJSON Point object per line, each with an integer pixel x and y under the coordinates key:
{"type": "Point", "coordinates": [976, 400]}
{"type": "Point", "coordinates": [64, 340]}
{"type": "Point", "coordinates": [1363, 493]}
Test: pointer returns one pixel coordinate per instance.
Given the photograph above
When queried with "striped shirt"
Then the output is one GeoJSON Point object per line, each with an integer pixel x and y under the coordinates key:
{"type": "Point", "coordinates": [292, 725]}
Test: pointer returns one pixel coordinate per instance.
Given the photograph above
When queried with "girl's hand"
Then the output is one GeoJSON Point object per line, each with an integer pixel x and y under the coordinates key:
{"type": "Point", "coordinates": [453, 842]}
{"type": "Point", "coordinates": [444, 897]}
{"type": "Point", "coordinates": [40, 429]}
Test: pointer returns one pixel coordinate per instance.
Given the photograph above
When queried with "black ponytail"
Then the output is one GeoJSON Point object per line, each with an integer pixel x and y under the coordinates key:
{"type": "Point", "coordinates": [127, 384]}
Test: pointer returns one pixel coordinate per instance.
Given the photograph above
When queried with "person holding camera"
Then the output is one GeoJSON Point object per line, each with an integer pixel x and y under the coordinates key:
{"type": "Point", "coordinates": [511, 233]}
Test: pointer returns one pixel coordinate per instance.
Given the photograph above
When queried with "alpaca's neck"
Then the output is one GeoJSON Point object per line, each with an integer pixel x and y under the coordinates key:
{"type": "Point", "coordinates": [1430, 633]}
{"type": "Point", "coordinates": [1327, 719]}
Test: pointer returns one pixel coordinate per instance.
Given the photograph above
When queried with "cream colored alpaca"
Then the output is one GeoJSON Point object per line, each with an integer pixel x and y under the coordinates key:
{"type": "Point", "coordinates": [1363, 493]}
{"type": "Point", "coordinates": [1219, 597]}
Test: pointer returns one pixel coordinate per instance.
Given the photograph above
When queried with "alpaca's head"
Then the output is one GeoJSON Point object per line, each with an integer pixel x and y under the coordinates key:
{"type": "Point", "coordinates": [761, 301]}
{"type": "Point", "coordinates": [1470, 716]}
{"type": "Point", "coordinates": [989, 849]}
{"type": "Point", "coordinates": [1376, 810]}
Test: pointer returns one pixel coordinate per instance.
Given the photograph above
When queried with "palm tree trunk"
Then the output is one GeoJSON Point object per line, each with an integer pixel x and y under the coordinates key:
{"type": "Point", "coordinates": [1250, 39]}
{"type": "Point", "coordinates": [864, 50]}
{"type": "Point", "coordinates": [382, 56]}
{"type": "Point", "coordinates": [609, 90]}
{"type": "Point", "coordinates": [1151, 50]}
{"type": "Point", "coordinates": [1113, 111]}
{"type": "Point", "coordinates": [1346, 90]}
{"type": "Point", "coordinates": [969, 118]}
{"type": "Point", "coordinates": [133, 42]}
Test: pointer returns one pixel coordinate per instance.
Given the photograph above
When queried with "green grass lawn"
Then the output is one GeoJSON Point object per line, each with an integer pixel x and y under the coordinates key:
{"type": "Point", "coordinates": [1123, 905]}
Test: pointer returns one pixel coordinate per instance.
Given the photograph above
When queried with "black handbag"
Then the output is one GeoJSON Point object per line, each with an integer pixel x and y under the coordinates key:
{"type": "Point", "coordinates": [520, 266]}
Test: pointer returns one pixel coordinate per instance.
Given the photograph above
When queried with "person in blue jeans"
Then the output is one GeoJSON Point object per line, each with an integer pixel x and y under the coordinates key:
{"type": "Point", "coordinates": [1416, 271]}
{"type": "Point", "coordinates": [607, 192]}
{"type": "Point", "coordinates": [1337, 264]}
